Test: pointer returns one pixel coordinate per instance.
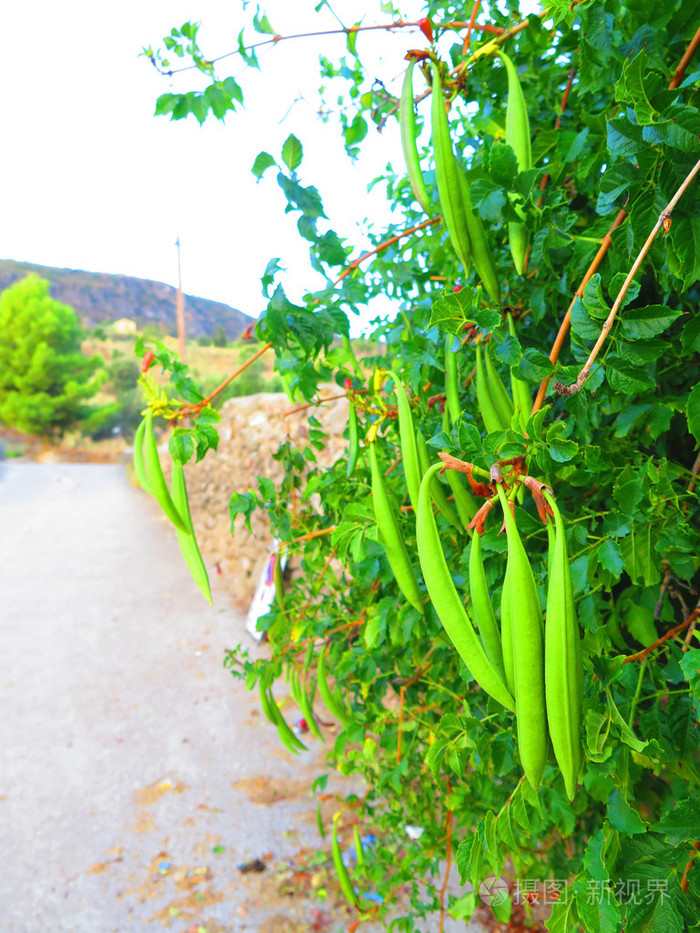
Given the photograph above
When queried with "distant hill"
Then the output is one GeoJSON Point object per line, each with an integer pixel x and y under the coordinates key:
{"type": "Point", "coordinates": [99, 297]}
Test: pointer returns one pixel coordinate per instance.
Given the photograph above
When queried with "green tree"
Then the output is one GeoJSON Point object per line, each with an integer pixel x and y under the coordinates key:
{"type": "Point", "coordinates": [45, 379]}
{"type": "Point", "coordinates": [219, 339]}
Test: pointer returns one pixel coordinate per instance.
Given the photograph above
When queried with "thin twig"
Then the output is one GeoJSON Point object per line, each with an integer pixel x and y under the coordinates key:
{"type": "Point", "coordinates": [664, 638]}
{"type": "Point", "coordinates": [684, 880]}
{"type": "Point", "coordinates": [566, 323]}
{"type": "Point", "coordinates": [663, 221]}
{"type": "Point", "coordinates": [470, 27]}
{"type": "Point", "coordinates": [394, 239]}
{"type": "Point", "coordinates": [275, 40]}
{"type": "Point", "coordinates": [557, 124]}
{"type": "Point", "coordinates": [694, 478]}
{"type": "Point", "coordinates": [679, 73]}
{"type": "Point", "coordinates": [194, 409]}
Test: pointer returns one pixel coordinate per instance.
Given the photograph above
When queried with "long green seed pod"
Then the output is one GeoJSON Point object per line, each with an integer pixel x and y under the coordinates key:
{"type": "Point", "coordinates": [438, 492]}
{"type": "Point", "coordinates": [518, 137]}
{"type": "Point", "coordinates": [487, 407]}
{"type": "Point", "coordinates": [482, 607]}
{"type": "Point", "coordinates": [451, 380]}
{"type": "Point", "coordinates": [353, 441]}
{"type": "Point", "coordinates": [522, 399]}
{"type": "Point", "coordinates": [391, 535]}
{"type": "Point", "coordinates": [481, 254]}
{"type": "Point", "coordinates": [359, 851]}
{"type": "Point", "coordinates": [528, 654]}
{"type": "Point", "coordinates": [340, 869]}
{"type": "Point", "coordinates": [286, 735]}
{"type": "Point", "coordinates": [156, 478]}
{"type": "Point", "coordinates": [447, 602]}
{"type": "Point", "coordinates": [139, 467]}
{"type": "Point", "coordinates": [447, 176]}
{"type": "Point", "coordinates": [409, 451]}
{"type": "Point", "coordinates": [188, 541]}
{"type": "Point", "coordinates": [334, 703]}
{"type": "Point", "coordinates": [497, 391]}
{"type": "Point", "coordinates": [408, 130]}
{"type": "Point", "coordinates": [562, 660]}
{"type": "Point", "coordinates": [507, 630]}
{"type": "Point", "coordinates": [306, 706]}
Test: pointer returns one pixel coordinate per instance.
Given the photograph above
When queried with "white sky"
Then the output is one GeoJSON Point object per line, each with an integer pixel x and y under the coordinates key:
{"type": "Point", "coordinates": [92, 180]}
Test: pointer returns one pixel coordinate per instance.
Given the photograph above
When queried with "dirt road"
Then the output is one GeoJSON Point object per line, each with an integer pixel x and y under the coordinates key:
{"type": "Point", "coordinates": [135, 773]}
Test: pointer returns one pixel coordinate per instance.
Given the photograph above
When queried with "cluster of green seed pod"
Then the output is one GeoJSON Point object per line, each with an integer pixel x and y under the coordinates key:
{"type": "Point", "coordinates": [175, 504]}
{"type": "Point", "coordinates": [464, 226]}
{"type": "Point", "coordinates": [495, 404]}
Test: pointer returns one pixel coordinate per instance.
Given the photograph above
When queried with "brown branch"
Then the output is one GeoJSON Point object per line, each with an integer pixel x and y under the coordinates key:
{"type": "Point", "coordinates": [679, 73]}
{"type": "Point", "coordinates": [470, 27]}
{"type": "Point", "coordinates": [696, 469]}
{"type": "Point", "coordinates": [557, 124]}
{"type": "Point", "coordinates": [664, 638]}
{"type": "Point", "coordinates": [321, 401]}
{"type": "Point", "coordinates": [566, 323]}
{"type": "Point", "coordinates": [390, 242]}
{"type": "Point", "coordinates": [663, 221]}
{"type": "Point", "coordinates": [481, 27]}
{"type": "Point", "coordinates": [187, 410]}
{"type": "Point", "coordinates": [684, 880]}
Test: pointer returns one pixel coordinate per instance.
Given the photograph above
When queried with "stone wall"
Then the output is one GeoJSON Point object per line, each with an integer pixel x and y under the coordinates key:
{"type": "Point", "coordinates": [251, 430]}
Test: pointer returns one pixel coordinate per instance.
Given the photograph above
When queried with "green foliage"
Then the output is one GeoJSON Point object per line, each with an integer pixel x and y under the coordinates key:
{"type": "Point", "coordinates": [45, 380]}
{"type": "Point", "coordinates": [619, 455]}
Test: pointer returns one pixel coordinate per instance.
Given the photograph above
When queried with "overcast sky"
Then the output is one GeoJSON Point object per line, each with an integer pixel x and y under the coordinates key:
{"type": "Point", "coordinates": [92, 180]}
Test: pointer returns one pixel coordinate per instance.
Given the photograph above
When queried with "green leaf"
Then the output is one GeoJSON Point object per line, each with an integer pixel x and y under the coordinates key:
{"type": "Point", "coordinates": [690, 665]}
{"type": "Point", "coordinates": [509, 351]}
{"type": "Point", "coordinates": [648, 321]}
{"type": "Point", "coordinates": [619, 180]}
{"type": "Point", "coordinates": [624, 137]}
{"type": "Point", "coordinates": [610, 557]}
{"type": "Point", "coordinates": [626, 378]}
{"type": "Point", "coordinates": [263, 161]}
{"type": "Point", "coordinates": [630, 89]}
{"type": "Point", "coordinates": [597, 727]}
{"type": "Point", "coordinates": [452, 310]}
{"type": "Point", "coordinates": [649, 915]}
{"type": "Point", "coordinates": [561, 449]}
{"type": "Point", "coordinates": [681, 823]}
{"type": "Point", "coordinates": [534, 366]}
{"type": "Point", "coordinates": [692, 412]}
{"type": "Point", "coordinates": [623, 817]}
{"type": "Point", "coordinates": [503, 165]}
{"type": "Point", "coordinates": [690, 337]}
{"type": "Point", "coordinates": [684, 249]}
{"type": "Point", "coordinates": [292, 152]}
{"type": "Point", "coordinates": [564, 918]}
{"type": "Point", "coordinates": [352, 39]}
{"type": "Point", "coordinates": [262, 24]}
{"type": "Point", "coordinates": [582, 323]}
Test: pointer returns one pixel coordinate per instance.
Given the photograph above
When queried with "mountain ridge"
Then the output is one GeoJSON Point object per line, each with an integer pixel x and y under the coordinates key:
{"type": "Point", "coordinates": [100, 297]}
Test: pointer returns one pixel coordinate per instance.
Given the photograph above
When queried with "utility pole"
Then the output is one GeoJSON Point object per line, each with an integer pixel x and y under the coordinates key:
{"type": "Point", "coordinates": [180, 309]}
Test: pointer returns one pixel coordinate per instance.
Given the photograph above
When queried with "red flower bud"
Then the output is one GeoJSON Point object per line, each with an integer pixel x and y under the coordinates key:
{"type": "Point", "coordinates": [148, 359]}
{"type": "Point", "coordinates": [426, 27]}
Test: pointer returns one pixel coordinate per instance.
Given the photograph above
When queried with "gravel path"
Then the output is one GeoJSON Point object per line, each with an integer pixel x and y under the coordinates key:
{"type": "Point", "coordinates": [135, 772]}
